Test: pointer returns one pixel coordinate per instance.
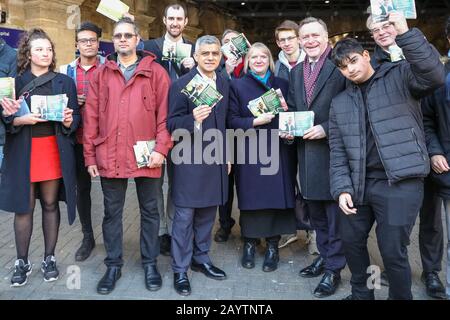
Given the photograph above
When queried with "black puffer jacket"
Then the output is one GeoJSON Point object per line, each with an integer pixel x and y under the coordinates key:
{"type": "Point", "coordinates": [395, 117]}
{"type": "Point", "coordinates": [436, 120]}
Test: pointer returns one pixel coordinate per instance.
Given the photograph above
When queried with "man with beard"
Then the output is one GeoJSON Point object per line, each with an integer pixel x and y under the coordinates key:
{"type": "Point", "coordinates": [128, 101]}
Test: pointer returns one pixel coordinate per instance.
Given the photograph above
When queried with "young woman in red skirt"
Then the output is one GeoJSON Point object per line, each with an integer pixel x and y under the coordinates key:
{"type": "Point", "coordinates": [39, 155]}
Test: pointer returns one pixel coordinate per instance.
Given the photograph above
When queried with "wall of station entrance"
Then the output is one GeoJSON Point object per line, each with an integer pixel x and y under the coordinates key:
{"type": "Point", "coordinates": [59, 19]}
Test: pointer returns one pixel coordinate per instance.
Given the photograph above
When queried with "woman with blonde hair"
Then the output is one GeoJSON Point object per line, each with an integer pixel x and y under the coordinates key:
{"type": "Point", "coordinates": [266, 202]}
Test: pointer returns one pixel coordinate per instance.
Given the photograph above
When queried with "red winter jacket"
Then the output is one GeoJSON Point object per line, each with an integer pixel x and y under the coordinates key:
{"type": "Point", "coordinates": [118, 114]}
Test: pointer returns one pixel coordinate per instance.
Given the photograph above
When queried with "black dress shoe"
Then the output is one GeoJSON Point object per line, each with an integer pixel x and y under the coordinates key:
{"type": "Point", "coordinates": [315, 269]}
{"type": "Point", "coordinates": [84, 251]}
{"type": "Point", "coordinates": [181, 283]}
{"type": "Point", "coordinates": [271, 258]}
{"type": "Point", "coordinates": [433, 284]}
{"type": "Point", "coordinates": [108, 282]}
{"type": "Point", "coordinates": [222, 235]}
{"type": "Point", "coordinates": [209, 270]}
{"type": "Point", "coordinates": [327, 286]}
{"type": "Point", "coordinates": [248, 255]}
{"type": "Point", "coordinates": [165, 242]}
{"type": "Point", "coordinates": [153, 280]}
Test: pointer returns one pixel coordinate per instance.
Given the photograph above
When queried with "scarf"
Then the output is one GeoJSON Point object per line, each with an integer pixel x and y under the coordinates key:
{"type": "Point", "coordinates": [310, 77]}
{"type": "Point", "coordinates": [261, 79]}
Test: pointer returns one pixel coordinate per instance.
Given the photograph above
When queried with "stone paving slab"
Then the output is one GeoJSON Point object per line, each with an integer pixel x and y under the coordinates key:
{"type": "Point", "coordinates": [242, 284]}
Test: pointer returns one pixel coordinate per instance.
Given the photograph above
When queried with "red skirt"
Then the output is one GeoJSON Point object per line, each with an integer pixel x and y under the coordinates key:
{"type": "Point", "coordinates": [45, 162]}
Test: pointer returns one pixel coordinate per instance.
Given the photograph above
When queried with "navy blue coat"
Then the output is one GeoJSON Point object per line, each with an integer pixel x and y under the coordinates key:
{"type": "Point", "coordinates": [198, 185]}
{"type": "Point", "coordinates": [256, 191]}
{"type": "Point", "coordinates": [15, 182]}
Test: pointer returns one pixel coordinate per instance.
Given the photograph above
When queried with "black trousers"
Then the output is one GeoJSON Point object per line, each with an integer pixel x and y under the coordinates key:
{"type": "Point", "coordinates": [431, 234]}
{"type": "Point", "coordinates": [114, 191]}
{"type": "Point", "coordinates": [225, 219]}
{"type": "Point", "coordinates": [324, 217]}
{"type": "Point", "coordinates": [395, 209]}
{"type": "Point", "coordinates": [83, 192]}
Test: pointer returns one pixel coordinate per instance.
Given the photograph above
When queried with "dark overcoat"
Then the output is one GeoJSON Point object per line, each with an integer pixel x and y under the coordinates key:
{"type": "Point", "coordinates": [257, 191]}
{"type": "Point", "coordinates": [15, 182]}
{"type": "Point", "coordinates": [314, 155]}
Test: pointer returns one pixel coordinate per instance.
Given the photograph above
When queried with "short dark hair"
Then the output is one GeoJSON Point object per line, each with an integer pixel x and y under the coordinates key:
{"type": "Point", "coordinates": [176, 6]}
{"type": "Point", "coordinates": [287, 25]}
{"type": "Point", "coordinates": [89, 26]}
{"type": "Point", "coordinates": [447, 28]}
{"type": "Point", "coordinates": [127, 20]}
{"type": "Point", "coordinates": [343, 49]}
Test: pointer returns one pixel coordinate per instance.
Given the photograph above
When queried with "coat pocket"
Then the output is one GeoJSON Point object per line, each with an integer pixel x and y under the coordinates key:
{"type": "Point", "coordinates": [148, 98]}
{"type": "Point", "coordinates": [101, 152]}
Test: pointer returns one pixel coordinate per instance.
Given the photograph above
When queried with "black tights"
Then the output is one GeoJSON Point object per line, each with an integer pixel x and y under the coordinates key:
{"type": "Point", "coordinates": [23, 222]}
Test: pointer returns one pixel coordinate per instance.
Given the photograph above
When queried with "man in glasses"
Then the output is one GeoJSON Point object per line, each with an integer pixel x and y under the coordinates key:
{"type": "Point", "coordinates": [127, 103]}
{"type": "Point", "coordinates": [431, 236]}
{"type": "Point", "coordinates": [81, 70]}
{"type": "Point", "coordinates": [286, 36]}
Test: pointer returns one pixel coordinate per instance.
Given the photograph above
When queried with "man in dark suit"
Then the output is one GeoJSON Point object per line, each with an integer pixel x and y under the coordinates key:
{"type": "Point", "coordinates": [198, 188]}
{"type": "Point", "coordinates": [431, 234]}
{"type": "Point", "coordinates": [313, 84]}
{"type": "Point", "coordinates": [175, 19]}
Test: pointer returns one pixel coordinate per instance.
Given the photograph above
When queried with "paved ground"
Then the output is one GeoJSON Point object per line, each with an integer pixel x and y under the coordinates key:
{"type": "Point", "coordinates": [242, 284]}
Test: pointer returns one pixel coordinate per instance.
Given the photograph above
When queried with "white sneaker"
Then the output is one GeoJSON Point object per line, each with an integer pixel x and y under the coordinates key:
{"type": "Point", "coordinates": [287, 239]}
{"type": "Point", "coordinates": [311, 241]}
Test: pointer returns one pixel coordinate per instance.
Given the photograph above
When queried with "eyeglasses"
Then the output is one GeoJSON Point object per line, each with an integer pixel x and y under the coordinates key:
{"type": "Point", "coordinates": [127, 36]}
{"type": "Point", "coordinates": [286, 40]}
{"type": "Point", "coordinates": [86, 41]}
{"type": "Point", "coordinates": [384, 27]}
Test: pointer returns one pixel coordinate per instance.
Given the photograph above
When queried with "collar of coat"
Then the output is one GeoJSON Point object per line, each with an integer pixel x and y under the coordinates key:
{"type": "Point", "coordinates": [380, 72]}
{"type": "Point", "coordinates": [259, 83]}
{"type": "Point", "coordinates": [145, 59]}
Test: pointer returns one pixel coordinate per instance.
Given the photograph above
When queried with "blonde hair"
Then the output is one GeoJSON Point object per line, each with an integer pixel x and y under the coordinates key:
{"type": "Point", "coordinates": [261, 46]}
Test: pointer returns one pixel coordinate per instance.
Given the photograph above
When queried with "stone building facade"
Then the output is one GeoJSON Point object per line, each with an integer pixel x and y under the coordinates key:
{"type": "Point", "coordinates": [59, 19]}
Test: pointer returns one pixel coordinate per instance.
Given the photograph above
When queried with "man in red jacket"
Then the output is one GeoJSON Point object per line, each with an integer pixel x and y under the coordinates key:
{"type": "Point", "coordinates": [127, 103]}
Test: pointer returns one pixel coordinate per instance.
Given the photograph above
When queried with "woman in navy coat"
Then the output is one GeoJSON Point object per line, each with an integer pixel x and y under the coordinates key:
{"type": "Point", "coordinates": [266, 202]}
{"type": "Point", "coordinates": [39, 156]}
